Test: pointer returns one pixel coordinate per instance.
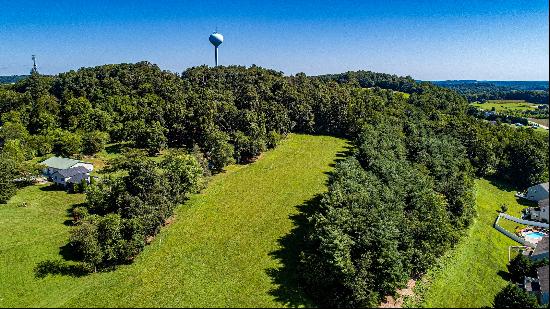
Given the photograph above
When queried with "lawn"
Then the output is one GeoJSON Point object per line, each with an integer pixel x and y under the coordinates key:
{"type": "Point", "coordinates": [220, 251]}
{"type": "Point", "coordinates": [471, 274]}
{"type": "Point", "coordinates": [506, 105]}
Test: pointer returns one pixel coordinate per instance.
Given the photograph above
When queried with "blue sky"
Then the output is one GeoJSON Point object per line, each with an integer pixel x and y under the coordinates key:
{"type": "Point", "coordinates": [430, 40]}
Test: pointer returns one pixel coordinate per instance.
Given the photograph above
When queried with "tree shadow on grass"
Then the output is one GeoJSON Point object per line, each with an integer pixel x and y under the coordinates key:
{"type": "Point", "coordinates": [60, 267]}
{"type": "Point", "coordinates": [290, 290]}
{"type": "Point", "coordinates": [116, 148]}
{"type": "Point", "coordinates": [348, 151]}
{"type": "Point", "coordinates": [69, 264]}
{"type": "Point", "coordinates": [53, 187]}
{"type": "Point", "coordinates": [508, 187]}
{"type": "Point", "coordinates": [504, 275]}
{"type": "Point", "coordinates": [69, 221]}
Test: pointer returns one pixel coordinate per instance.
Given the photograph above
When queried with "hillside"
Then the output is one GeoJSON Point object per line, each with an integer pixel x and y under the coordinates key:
{"type": "Point", "coordinates": [416, 154]}
{"type": "Point", "coordinates": [222, 250]}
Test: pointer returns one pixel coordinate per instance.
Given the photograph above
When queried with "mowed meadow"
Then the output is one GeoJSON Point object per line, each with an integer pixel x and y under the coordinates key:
{"type": "Point", "coordinates": [223, 249]}
{"type": "Point", "coordinates": [475, 271]}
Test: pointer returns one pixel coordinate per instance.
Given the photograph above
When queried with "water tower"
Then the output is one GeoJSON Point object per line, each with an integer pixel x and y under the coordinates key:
{"type": "Point", "coordinates": [216, 39]}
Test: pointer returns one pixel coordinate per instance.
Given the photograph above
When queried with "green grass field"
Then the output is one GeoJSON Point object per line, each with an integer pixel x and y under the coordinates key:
{"type": "Point", "coordinates": [506, 105]}
{"type": "Point", "coordinates": [471, 275]}
{"type": "Point", "coordinates": [222, 250]}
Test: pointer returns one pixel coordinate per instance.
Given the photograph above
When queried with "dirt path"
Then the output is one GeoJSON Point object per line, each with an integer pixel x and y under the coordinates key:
{"type": "Point", "coordinates": [391, 302]}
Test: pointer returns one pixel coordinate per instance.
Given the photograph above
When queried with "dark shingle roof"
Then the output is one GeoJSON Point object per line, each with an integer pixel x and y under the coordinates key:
{"type": "Point", "coordinates": [542, 273]}
{"type": "Point", "coordinates": [77, 178]}
{"type": "Point", "coordinates": [70, 172]}
{"type": "Point", "coordinates": [542, 246]}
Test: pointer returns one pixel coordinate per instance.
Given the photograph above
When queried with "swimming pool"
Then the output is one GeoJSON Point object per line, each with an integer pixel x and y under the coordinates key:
{"type": "Point", "coordinates": [534, 235]}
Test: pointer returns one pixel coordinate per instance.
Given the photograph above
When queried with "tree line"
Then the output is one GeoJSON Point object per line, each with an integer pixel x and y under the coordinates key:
{"type": "Point", "coordinates": [399, 202]}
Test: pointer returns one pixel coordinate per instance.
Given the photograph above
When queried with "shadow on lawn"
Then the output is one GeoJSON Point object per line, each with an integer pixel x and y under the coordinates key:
{"type": "Point", "coordinates": [290, 290]}
{"type": "Point", "coordinates": [504, 275]}
{"type": "Point", "coordinates": [69, 264]}
{"type": "Point", "coordinates": [60, 267]}
{"type": "Point", "coordinates": [53, 187]}
{"type": "Point", "coordinates": [506, 186]}
{"type": "Point", "coordinates": [349, 150]}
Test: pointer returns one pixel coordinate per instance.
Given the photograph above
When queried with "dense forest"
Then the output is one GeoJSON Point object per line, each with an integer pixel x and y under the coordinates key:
{"type": "Point", "coordinates": [397, 203]}
{"type": "Point", "coordinates": [532, 92]}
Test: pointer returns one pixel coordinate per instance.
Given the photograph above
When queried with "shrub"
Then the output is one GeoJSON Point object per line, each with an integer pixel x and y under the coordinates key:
{"type": "Point", "coordinates": [512, 296]}
{"type": "Point", "coordinates": [94, 142]}
{"type": "Point", "coordinates": [219, 151]}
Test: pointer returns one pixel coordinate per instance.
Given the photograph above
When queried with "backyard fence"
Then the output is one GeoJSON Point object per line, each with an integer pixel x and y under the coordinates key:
{"type": "Point", "coordinates": [513, 236]}
{"type": "Point", "coordinates": [526, 222]}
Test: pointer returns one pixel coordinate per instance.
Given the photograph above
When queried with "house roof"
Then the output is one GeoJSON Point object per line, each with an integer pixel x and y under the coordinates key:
{"type": "Point", "coordinates": [544, 185]}
{"type": "Point", "coordinates": [542, 274]}
{"type": "Point", "coordinates": [70, 172]}
{"type": "Point", "coordinates": [542, 246]}
{"type": "Point", "coordinates": [60, 163]}
{"type": "Point", "coordinates": [77, 178]}
{"type": "Point", "coordinates": [543, 203]}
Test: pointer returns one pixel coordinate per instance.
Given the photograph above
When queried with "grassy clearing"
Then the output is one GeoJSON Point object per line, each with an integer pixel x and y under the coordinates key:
{"type": "Point", "coordinates": [220, 251]}
{"type": "Point", "coordinates": [472, 274]}
{"type": "Point", "coordinates": [507, 105]}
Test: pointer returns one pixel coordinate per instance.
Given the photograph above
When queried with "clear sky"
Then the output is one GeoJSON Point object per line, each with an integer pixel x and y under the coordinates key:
{"type": "Point", "coordinates": [429, 40]}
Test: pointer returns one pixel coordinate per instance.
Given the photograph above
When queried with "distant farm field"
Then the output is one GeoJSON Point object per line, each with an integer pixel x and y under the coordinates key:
{"type": "Point", "coordinates": [471, 275]}
{"type": "Point", "coordinates": [506, 105]}
{"type": "Point", "coordinates": [544, 122]}
{"type": "Point", "coordinates": [223, 249]}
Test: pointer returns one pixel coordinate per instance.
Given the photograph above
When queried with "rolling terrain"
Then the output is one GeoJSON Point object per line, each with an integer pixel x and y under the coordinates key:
{"type": "Point", "coordinates": [223, 248]}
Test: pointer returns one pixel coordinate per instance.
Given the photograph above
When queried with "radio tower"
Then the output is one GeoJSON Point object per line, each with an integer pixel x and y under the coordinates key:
{"type": "Point", "coordinates": [34, 70]}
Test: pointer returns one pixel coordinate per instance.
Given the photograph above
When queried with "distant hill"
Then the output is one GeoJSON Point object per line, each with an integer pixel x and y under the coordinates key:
{"type": "Point", "coordinates": [11, 79]}
{"type": "Point", "coordinates": [511, 85]}
{"type": "Point", "coordinates": [480, 91]}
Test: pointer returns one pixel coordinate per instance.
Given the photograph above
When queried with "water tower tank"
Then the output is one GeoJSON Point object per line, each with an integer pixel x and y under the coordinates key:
{"type": "Point", "coordinates": [216, 39]}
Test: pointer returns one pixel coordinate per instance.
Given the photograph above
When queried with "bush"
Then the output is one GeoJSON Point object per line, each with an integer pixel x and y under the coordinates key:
{"type": "Point", "coordinates": [247, 147]}
{"type": "Point", "coordinates": [219, 151]}
{"type": "Point", "coordinates": [127, 210]}
{"type": "Point", "coordinates": [514, 297]}
{"type": "Point", "coordinates": [183, 173]}
{"type": "Point", "coordinates": [79, 213]}
{"type": "Point", "coordinates": [94, 142]}
{"type": "Point", "coordinates": [273, 139]}
{"type": "Point", "coordinates": [7, 174]}
{"type": "Point", "coordinates": [503, 208]}
{"type": "Point", "coordinates": [85, 239]}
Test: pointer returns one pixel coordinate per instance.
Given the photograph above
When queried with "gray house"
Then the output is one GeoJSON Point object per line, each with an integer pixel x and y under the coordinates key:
{"type": "Point", "coordinates": [541, 251]}
{"type": "Point", "coordinates": [537, 192]}
{"type": "Point", "coordinates": [55, 164]}
{"type": "Point", "coordinates": [540, 213]}
{"type": "Point", "coordinates": [73, 175]}
{"type": "Point", "coordinates": [542, 274]}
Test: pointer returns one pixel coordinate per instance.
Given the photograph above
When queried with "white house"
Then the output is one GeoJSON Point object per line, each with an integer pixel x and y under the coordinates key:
{"type": "Point", "coordinates": [73, 175]}
{"type": "Point", "coordinates": [537, 192]}
{"type": "Point", "coordinates": [540, 213]}
{"type": "Point", "coordinates": [55, 164]}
